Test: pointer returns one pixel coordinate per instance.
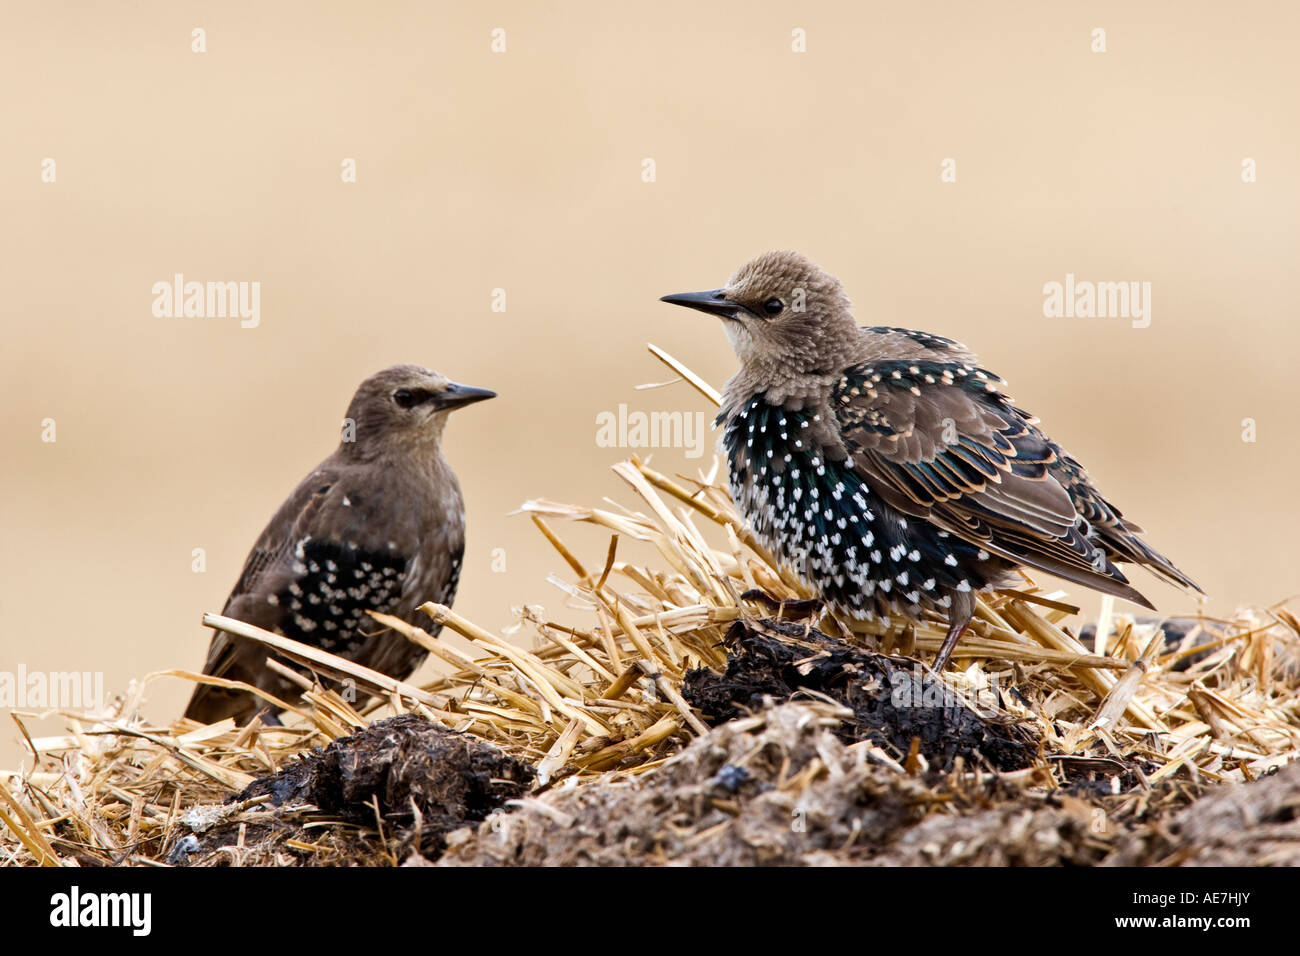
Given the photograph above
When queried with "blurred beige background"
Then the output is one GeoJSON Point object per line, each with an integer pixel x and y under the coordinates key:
{"type": "Point", "coordinates": [523, 170]}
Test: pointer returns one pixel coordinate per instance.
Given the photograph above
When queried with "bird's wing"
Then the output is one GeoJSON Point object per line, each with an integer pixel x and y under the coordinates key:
{"type": "Point", "coordinates": [937, 440]}
{"type": "Point", "coordinates": [268, 566]}
{"type": "Point", "coordinates": [1117, 534]}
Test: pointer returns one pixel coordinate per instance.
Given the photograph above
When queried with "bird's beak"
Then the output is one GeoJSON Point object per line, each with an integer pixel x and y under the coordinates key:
{"type": "Point", "coordinates": [714, 302]}
{"type": "Point", "coordinates": [455, 395]}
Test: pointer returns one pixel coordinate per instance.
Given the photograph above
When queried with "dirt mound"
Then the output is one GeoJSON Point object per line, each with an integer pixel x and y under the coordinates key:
{"type": "Point", "coordinates": [1253, 825]}
{"type": "Point", "coordinates": [406, 774]}
{"type": "Point", "coordinates": [672, 719]}
{"type": "Point", "coordinates": [895, 701]}
{"type": "Point", "coordinates": [775, 788]}
{"type": "Point", "coordinates": [782, 788]}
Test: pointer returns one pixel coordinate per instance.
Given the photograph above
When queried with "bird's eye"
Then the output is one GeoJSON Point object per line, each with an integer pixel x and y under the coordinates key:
{"type": "Point", "coordinates": [405, 397]}
{"type": "Point", "coordinates": [773, 306]}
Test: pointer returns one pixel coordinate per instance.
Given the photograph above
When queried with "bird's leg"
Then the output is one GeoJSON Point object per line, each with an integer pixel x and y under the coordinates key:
{"type": "Point", "coordinates": [950, 643]}
{"type": "Point", "coordinates": [962, 610]}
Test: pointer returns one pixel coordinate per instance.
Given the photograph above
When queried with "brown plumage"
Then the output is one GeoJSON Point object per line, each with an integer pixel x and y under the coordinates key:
{"type": "Point", "coordinates": [888, 468]}
{"type": "Point", "coordinates": [378, 525]}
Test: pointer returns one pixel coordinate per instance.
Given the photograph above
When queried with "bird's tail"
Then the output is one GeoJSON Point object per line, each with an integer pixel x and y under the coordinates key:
{"type": "Point", "coordinates": [1123, 544]}
{"type": "Point", "coordinates": [1114, 533]}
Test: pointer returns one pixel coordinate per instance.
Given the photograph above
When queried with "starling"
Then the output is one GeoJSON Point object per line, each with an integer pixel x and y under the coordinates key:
{"type": "Point", "coordinates": [888, 469]}
{"type": "Point", "coordinates": [378, 526]}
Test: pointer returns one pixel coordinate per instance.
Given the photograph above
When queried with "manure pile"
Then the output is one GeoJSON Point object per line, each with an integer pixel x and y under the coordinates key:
{"type": "Point", "coordinates": [707, 709]}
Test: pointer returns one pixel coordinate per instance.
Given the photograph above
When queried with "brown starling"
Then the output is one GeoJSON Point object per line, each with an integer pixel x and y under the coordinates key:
{"type": "Point", "coordinates": [888, 469]}
{"type": "Point", "coordinates": [378, 526]}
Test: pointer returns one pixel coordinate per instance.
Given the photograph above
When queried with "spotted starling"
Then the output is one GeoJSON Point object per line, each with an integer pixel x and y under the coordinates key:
{"type": "Point", "coordinates": [888, 469]}
{"type": "Point", "coordinates": [378, 526]}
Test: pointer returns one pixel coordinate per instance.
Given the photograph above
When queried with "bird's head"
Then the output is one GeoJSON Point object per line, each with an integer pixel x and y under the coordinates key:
{"type": "Point", "coordinates": [403, 408]}
{"type": "Point", "coordinates": [784, 316]}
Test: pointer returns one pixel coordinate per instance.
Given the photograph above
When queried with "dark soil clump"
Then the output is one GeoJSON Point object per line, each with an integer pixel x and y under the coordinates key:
{"type": "Point", "coordinates": [407, 777]}
{"type": "Point", "coordinates": [894, 700]}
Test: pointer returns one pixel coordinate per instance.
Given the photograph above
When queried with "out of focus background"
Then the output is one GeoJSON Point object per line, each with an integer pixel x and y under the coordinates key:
{"type": "Point", "coordinates": [946, 160]}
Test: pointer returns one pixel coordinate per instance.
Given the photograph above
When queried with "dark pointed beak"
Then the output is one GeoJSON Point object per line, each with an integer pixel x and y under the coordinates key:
{"type": "Point", "coordinates": [455, 395]}
{"type": "Point", "coordinates": [714, 302]}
